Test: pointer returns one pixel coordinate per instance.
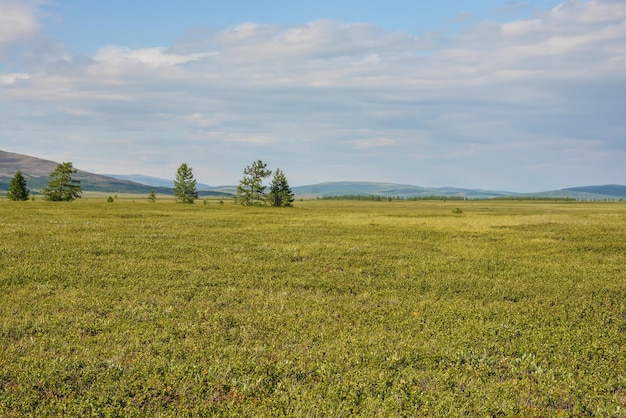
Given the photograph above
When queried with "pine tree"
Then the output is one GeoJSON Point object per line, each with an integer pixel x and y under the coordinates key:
{"type": "Point", "coordinates": [185, 185]}
{"type": "Point", "coordinates": [152, 196]}
{"type": "Point", "coordinates": [17, 189]}
{"type": "Point", "coordinates": [62, 187]}
{"type": "Point", "coordinates": [280, 193]}
{"type": "Point", "coordinates": [251, 191]}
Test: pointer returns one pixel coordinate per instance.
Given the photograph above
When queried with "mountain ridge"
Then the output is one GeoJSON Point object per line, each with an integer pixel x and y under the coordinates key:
{"type": "Point", "coordinates": [37, 171]}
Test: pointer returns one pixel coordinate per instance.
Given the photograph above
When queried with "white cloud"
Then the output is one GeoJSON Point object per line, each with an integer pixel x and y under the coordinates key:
{"type": "Point", "coordinates": [521, 27]}
{"type": "Point", "coordinates": [10, 78]}
{"type": "Point", "coordinates": [157, 57]}
{"type": "Point", "coordinates": [372, 143]}
{"type": "Point", "coordinates": [594, 12]}
{"type": "Point", "coordinates": [245, 139]}
{"type": "Point", "coordinates": [549, 89]}
{"type": "Point", "coordinates": [18, 21]}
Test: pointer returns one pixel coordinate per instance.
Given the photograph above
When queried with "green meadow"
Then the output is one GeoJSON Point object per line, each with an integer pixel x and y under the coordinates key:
{"type": "Point", "coordinates": [330, 308]}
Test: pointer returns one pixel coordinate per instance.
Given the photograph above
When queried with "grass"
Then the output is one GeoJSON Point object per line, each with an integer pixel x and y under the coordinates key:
{"type": "Point", "coordinates": [331, 308]}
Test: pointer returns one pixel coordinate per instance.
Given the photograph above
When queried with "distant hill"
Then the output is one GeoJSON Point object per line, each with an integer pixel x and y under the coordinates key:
{"type": "Point", "coordinates": [153, 181]}
{"type": "Point", "coordinates": [204, 190]}
{"type": "Point", "coordinates": [37, 173]}
{"type": "Point", "coordinates": [606, 192]}
{"type": "Point", "coordinates": [392, 190]}
{"type": "Point", "coordinates": [225, 191]}
{"type": "Point", "coordinates": [613, 190]}
{"type": "Point", "coordinates": [145, 180]}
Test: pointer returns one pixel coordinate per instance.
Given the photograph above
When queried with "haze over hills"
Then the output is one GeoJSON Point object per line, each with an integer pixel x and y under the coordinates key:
{"type": "Point", "coordinates": [345, 188]}
{"type": "Point", "coordinates": [37, 172]}
{"type": "Point", "coordinates": [392, 190]}
{"type": "Point", "coordinates": [153, 181]}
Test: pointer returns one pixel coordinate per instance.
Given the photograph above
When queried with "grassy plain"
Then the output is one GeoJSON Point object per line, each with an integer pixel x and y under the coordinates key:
{"type": "Point", "coordinates": [331, 308]}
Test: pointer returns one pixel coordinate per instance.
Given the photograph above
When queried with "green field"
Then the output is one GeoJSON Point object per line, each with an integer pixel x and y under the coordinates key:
{"type": "Point", "coordinates": [330, 308]}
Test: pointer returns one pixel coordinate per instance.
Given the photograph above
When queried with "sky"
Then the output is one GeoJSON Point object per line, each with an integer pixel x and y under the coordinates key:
{"type": "Point", "coordinates": [521, 96]}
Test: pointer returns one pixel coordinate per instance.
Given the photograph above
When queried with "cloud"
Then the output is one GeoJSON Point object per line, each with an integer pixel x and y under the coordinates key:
{"type": "Point", "coordinates": [23, 41]}
{"type": "Point", "coordinates": [372, 143]}
{"type": "Point", "coordinates": [18, 21]}
{"type": "Point", "coordinates": [277, 45]}
{"type": "Point", "coordinates": [10, 78]}
{"type": "Point", "coordinates": [156, 57]}
{"type": "Point", "coordinates": [312, 96]}
{"type": "Point", "coordinates": [511, 6]}
{"type": "Point", "coordinates": [461, 17]}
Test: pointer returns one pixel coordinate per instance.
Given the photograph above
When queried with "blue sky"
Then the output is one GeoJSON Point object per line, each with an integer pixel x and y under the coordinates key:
{"type": "Point", "coordinates": [508, 95]}
{"type": "Point", "coordinates": [142, 23]}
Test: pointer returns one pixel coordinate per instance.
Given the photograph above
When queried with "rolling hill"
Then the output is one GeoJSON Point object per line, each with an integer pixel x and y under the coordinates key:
{"type": "Point", "coordinates": [153, 181]}
{"type": "Point", "coordinates": [606, 192]}
{"type": "Point", "coordinates": [203, 189]}
{"type": "Point", "coordinates": [37, 171]}
{"type": "Point", "coordinates": [391, 190]}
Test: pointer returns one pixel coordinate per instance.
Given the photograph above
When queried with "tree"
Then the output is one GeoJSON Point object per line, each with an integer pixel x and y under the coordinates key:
{"type": "Point", "coordinates": [17, 189]}
{"type": "Point", "coordinates": [251, 191]}
{"type": "Point", "coordinates": [185, 185]}
{"type": "Point", "coordinates": [280, 193]}
{"type": "Point", "coordinates": [62, 187]}
{"type": "Point", "coordinates": [152, 196]}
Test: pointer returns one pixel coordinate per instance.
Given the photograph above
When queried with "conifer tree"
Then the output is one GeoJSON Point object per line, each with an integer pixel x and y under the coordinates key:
{"type": "Point", "coordinates": [17, 189]}
{"type": "Point", "coordinates": [280, 193]}
{"type": "Point", "coordinates": [62, 187]}
{"type": "Point", "coordinates": [251, 191]}
{"type": "Point", "coordinates": [185, 185]}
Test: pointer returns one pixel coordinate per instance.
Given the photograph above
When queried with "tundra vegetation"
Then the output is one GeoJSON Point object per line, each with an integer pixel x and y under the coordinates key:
{"type": "Point", "coordinates": [332, 308]}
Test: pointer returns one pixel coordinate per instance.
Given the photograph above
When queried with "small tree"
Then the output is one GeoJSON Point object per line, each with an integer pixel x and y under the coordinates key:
{"type": "Point", "coordinates": [152, 196]}
{"type": "Point", "coordinates": [251, 191]}
{"type": "Point", "coordinates": [185, 185]}
{"type": "Point", "coordinates": [62, 187]}
{"type": "Point", "coordinates": [280, 193]}
{"type": "Point", "coordinates": [17, 189]}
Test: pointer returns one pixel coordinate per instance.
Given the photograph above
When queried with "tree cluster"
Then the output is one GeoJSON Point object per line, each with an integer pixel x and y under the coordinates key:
{"type": "Point", "coordinates": [252, 192]}
{"type": "Point", "coordinates": [61, 186]}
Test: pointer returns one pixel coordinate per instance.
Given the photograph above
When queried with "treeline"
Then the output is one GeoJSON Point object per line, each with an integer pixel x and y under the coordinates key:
{"type": "Point", "coordinates": [251, 190]}
{"type": "Point", "coordinates": [538, 198]}
{"type": "Point", "coordinates": [61, 186]}
{"type": "Point", "coordinates": [378, 198]}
